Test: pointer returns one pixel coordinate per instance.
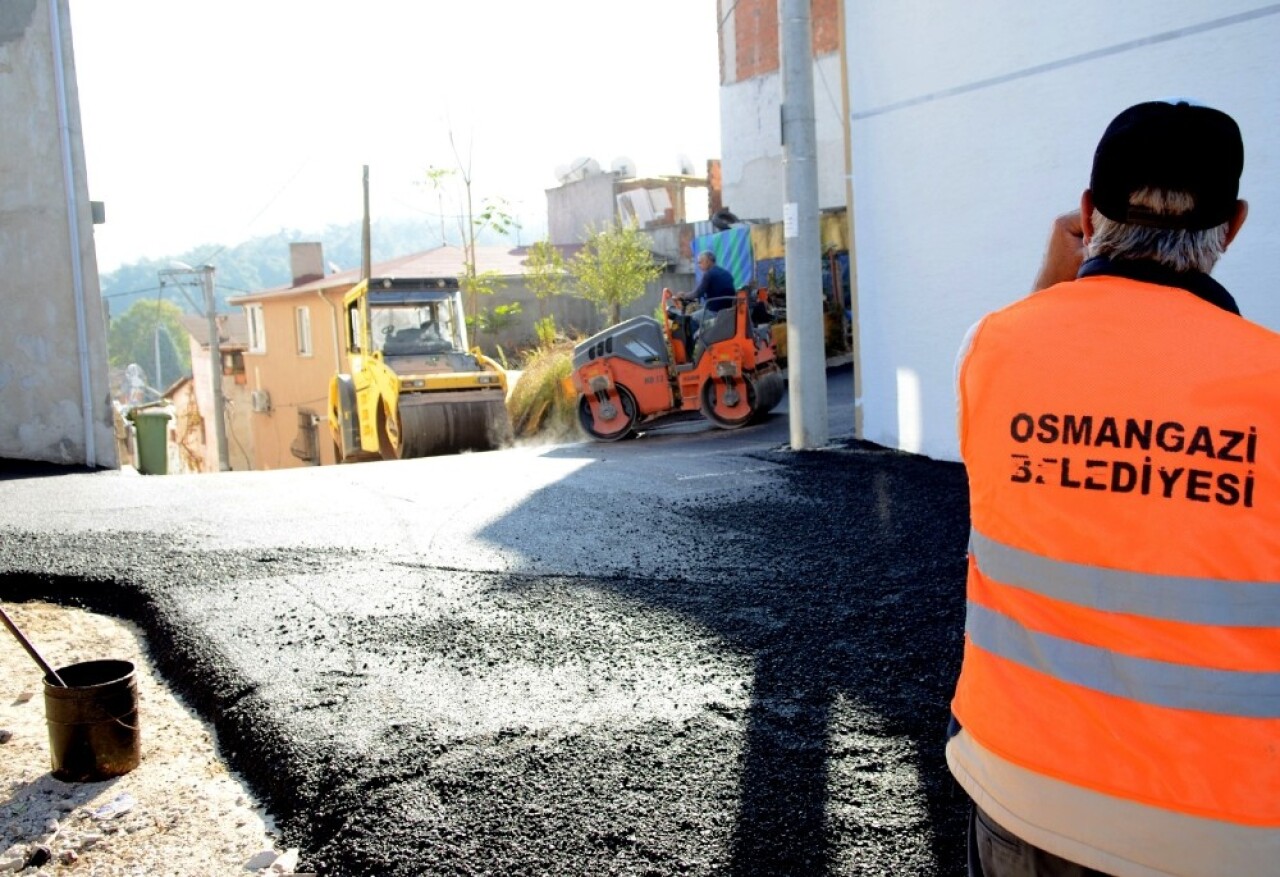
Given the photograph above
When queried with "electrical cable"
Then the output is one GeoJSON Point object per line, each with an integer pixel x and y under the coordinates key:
{"type": "Point", "coordinates": [274, 198]}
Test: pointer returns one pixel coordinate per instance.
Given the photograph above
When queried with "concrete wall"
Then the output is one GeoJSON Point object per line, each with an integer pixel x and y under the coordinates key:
{"type": "Point", "coordinates": [573, 209]}
{"type": "Point", "coordinates": [973, 125]}
{"type": "Point", "coordinates": [54, 397]}
{"type": "Point", "coordinates": [752, 176]}
{"type": "Point", "coordinates": [575, 316]}
{"type": "Point", "coordinates": [751, 169]}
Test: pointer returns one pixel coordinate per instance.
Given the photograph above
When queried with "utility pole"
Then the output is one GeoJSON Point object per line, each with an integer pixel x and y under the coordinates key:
{"type": "Point", "coordinates": [205, 278]}
{"type": "Point", "coordinates": [215, 366]}
{"type": "Point", "coordinates": [807, 370]}
{"type": "Point", "coordinates": [155, 347]}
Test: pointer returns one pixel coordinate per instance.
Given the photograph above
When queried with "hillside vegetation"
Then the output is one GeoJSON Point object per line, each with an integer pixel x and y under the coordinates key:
{"type": "Point", "coordinates": [263, 262]}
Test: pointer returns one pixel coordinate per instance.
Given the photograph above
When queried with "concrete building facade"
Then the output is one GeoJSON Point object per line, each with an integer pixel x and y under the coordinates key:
{"type": "Point", "coordinates": [54, 396]}
{"type": "Point", "coordinates": [233, 339]}
{"type": "Point", "coordinates": [968, 128]}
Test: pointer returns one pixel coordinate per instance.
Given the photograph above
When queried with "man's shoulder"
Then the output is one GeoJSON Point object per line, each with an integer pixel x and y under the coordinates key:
{"type": "Point", "coordinates": [720, 277]}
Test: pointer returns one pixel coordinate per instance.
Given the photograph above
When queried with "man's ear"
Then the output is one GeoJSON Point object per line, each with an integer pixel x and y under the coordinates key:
{"type": "Point", "coordinates": [1237, 219]}
{"type": "Point", "coordinates": [1086, 214]}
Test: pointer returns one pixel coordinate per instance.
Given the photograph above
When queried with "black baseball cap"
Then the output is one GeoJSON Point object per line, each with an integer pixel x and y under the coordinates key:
{"type": "Point", "coordinates": [1171, 145]}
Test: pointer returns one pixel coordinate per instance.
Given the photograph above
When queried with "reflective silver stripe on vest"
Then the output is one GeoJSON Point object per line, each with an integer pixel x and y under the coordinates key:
{"type": "Point", "coordinates": [1169, 598]}
{"type": "Point", "coordinates": [1113, 835]}
{"type": "Point", "coordinates": [1160, 683]}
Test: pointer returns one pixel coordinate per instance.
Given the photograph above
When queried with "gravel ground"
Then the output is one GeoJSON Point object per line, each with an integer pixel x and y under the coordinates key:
{"type": "Point", "coordinates": [773, 704]}
{"type": "Point", "coordinates": [180, 812]}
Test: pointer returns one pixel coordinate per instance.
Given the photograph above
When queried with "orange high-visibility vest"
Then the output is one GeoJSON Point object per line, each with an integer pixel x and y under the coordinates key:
{"type": "Point", "coordinates": [1120, 691]}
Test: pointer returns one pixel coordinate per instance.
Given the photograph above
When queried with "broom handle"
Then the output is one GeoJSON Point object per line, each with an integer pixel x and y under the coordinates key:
{"type": "Point", "coordinates": [31, 650]}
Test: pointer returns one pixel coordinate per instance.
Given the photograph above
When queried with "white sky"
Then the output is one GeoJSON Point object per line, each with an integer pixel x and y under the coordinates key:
{"type": "Point", "coordinates": [212, 122]}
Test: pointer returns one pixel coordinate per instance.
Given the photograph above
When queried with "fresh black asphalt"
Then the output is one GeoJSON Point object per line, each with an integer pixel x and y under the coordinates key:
{"type": "Point", "coordinates": [678, 675]}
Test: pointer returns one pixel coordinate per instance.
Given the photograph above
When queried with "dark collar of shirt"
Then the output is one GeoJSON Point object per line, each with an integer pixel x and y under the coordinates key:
{"type": "Point", "coordinates": [1198, 284]}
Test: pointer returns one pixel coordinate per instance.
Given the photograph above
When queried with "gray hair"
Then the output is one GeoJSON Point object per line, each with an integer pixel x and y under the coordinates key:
{"type": "Point", "coordinates": [708, 255]}
{"type": "Point", "coordinates": [1177, 248]}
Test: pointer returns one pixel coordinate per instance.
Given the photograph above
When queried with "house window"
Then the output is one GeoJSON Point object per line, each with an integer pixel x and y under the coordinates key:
{"type": "Point", "coordinates": [302, 327]}
{"type": "Point", "coordinates": [353, 326]}
{"type": "Point", "coordinates": [257, 329]}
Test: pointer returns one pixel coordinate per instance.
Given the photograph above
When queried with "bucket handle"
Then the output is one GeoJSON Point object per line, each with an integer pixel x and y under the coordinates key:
{"type": "Point", "coordinates": [119, 720]}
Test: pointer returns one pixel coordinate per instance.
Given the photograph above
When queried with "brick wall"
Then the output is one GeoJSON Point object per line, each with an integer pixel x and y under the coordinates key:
{"type": "Point", "coordinates": [755, 34]}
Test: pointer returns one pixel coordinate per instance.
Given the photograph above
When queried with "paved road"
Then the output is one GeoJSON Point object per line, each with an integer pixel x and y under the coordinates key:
{"type": "Point", "coordinates": [696, 652]}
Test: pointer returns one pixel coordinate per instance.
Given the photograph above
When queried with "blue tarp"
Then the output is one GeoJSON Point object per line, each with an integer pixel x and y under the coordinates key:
{"type": "Point", "coordinates": [732, 249]}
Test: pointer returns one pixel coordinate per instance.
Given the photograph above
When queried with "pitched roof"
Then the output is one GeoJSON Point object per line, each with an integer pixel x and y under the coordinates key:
{"type": "Point", "coordinates": [233, 329]}
{"type": "Point", "coordinates": [446, 261]}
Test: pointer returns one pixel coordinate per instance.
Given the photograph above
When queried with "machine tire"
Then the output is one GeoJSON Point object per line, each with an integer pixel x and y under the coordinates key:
{"type": "Point", "coordinates": [443, 427]}
{"type": "Point", "coordinates": [588, 421]}
{"type": "Point", "coordinates": [728, 416]}
{"type": "Point", "coordinates": [769, 387]}
{"type": "Point", "coordinates": [389, 444]}
{"type": "Point", "coordinates": [343, 412]}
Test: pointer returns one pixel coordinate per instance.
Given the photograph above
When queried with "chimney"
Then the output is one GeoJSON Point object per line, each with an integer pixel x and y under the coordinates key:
{"type": "Point", "coordinates": [306, 261]}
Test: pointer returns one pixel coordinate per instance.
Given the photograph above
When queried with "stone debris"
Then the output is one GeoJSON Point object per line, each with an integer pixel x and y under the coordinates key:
{"type": "Point", "coordinates": [272, 864]}
{"type": "Point", "coordinates": [261, 861]}
{"type": "Point", "coordinates": [180, 813]}
{"type": "Point", "coordinates": [117, 806]}
{"type": "Point", "coordinates": [287, 863]}
{"type": "Point", "coordinates": [37, 856]}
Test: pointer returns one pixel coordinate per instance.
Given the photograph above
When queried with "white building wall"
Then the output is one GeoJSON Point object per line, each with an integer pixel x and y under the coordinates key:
{"type": "Point", "coordinates": [752, 176]}
{"type": "Point", "coordinates": [53, 381]}
{"type": "Point", "coordinates": [974, 124]}
{"type": "Point", "coordinates": [577, 208]}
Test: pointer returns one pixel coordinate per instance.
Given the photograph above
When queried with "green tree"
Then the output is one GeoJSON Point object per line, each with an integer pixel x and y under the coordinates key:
{"type": "Point", "coordinates": [148, 325]}
{"type": "Point", "coordinates": [613, 267]}
{"type": "Point", "coordinates": [499, 318]}
{"type": "Point", "coordinates": [545, 329]}
{"type": "Point", "coordinates": [546, 275]}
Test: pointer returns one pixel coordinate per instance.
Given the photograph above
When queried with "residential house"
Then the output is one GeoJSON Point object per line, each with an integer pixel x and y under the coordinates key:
{"type": "Point", "coordinates": [292, 348]}
{"type": "Point", "coordinates": [186, 445]}
{"type": "Point", "coordinates": [233, 340]}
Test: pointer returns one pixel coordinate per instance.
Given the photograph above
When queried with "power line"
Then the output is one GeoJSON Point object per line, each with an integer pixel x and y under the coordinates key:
{"type": "Point", "coordinates": [274, 198]}
{"type": "Point", "coordinates": [130, 292]}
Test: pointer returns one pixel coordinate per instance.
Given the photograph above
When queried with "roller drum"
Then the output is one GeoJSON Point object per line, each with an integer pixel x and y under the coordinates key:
{"type": "Point", "coordinates": [446, 427]}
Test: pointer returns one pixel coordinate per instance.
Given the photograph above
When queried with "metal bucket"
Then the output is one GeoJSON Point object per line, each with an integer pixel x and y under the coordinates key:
{"type": "Point", "coordinates": [93, 721]}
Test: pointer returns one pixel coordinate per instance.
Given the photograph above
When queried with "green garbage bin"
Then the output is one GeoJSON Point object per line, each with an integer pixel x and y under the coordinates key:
{"type": "Point", "coordinates": [151, 426]}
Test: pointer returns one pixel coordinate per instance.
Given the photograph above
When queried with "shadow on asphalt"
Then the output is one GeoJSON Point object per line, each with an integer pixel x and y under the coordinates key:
{"type": "Point", "coordinates": [846, 589]}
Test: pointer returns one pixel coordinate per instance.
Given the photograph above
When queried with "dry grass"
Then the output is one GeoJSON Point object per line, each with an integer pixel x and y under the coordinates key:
{"type": "Point", "coordinates": [541, 406]}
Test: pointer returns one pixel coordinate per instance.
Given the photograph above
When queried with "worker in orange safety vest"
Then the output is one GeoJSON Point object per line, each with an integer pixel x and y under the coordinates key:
{"type": "Point", "coordinates": [1118, 706]}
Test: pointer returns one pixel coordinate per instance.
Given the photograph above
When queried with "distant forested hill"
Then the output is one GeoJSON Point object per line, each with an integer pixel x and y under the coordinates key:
{"type": "Point", "coordinates": [263, 262]}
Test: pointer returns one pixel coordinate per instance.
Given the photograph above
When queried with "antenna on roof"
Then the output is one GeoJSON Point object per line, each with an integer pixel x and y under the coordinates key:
{"type": "Point", "coordinates": [579, 169]}
{"type": "Point", "coordinates": [624, 167]}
